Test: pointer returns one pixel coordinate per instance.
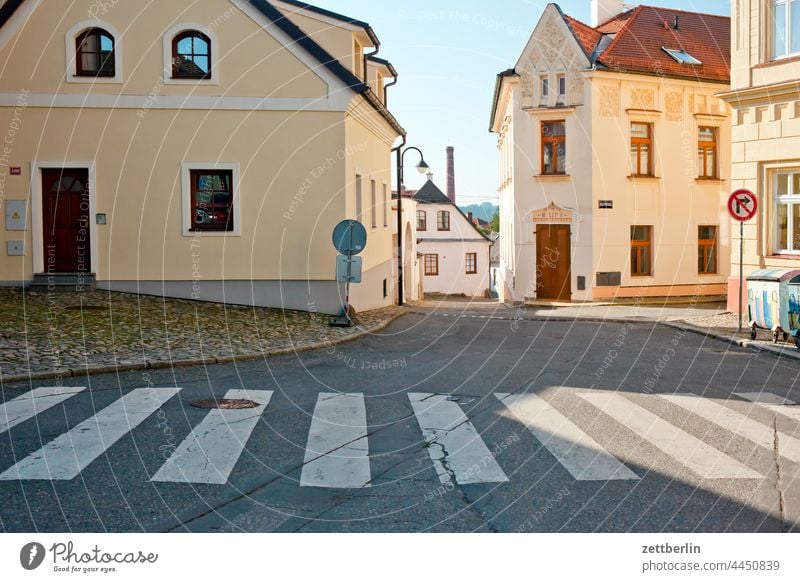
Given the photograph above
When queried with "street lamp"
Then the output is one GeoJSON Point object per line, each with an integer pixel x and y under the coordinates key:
{"type": "Point", "coordinates": [422, 168]}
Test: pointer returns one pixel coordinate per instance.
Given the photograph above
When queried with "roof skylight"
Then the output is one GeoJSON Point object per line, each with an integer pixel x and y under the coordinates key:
{"type": "Point", "coordinates": [682, 56]}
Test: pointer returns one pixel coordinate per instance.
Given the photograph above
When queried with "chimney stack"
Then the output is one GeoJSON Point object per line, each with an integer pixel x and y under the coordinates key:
{"type": "Point", "coordinates": [429, 175]}
{"type": "Point", "coordinates": [603, 10]}
{"type": "Point", "coordinates": [451, 174]}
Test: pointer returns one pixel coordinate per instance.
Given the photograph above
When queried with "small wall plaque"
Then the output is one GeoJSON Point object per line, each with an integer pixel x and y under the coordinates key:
{"type": "Point", "coordinates": [15, 171]}
{"type": "Point", "coordinates": [606, 204]}
{"type": "Point", "coordinates": [15, 248]}
{"type": "Point", "coordinates": [102, 219]}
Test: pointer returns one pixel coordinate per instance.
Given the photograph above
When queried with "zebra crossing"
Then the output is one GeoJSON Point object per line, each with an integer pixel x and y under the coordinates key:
{"type": "Point", "coordinates": [337, 455]}
{"type": "Point", "coordinates": [210, 452]}
{"type": "Point", "coordinates": [66, 456]}
{"type": "Point", "coordinates": [337, 449]}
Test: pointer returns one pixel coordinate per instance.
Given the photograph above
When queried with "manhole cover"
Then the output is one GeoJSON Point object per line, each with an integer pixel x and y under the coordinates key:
{"type": "Point", "coordinates": [225, 404]}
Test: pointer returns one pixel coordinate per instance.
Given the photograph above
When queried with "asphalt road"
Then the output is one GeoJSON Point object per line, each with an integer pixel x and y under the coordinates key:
{"type": "Point", "coordinates": [405, 432]}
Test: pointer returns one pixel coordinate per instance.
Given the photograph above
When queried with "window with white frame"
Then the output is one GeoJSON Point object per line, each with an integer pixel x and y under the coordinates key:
{"type": "Point", "coordinates": [211, 199]}
{"type": "Point", "coordinates": [191, 55]}
{"type": "Point", "coordinates": [785, 24]}
{"type": "Point", "coordinates": [373, 199]}
{"type": "Point", "coordinates": [93, 53]}
{"type": "Point", "coordinates": [385, 206]}
{"type": "Point", "coordinates": [359, 200]}
{"type": "Point", "coordinates": [94, 56]}
{"type": "Point", "coordinates": [787, 212]}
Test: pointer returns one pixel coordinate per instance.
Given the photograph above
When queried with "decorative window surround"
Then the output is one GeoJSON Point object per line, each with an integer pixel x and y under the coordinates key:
{"type": "Point", "coordinates": [170, 35]}
{"type": "Point", "coordinates": [187, 208]}
{"type": "Point", "coordinates": [70, 53]}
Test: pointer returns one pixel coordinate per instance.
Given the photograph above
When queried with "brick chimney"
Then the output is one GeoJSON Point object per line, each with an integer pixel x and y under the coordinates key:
{"type": "Point", "coordinates": [451, 174]}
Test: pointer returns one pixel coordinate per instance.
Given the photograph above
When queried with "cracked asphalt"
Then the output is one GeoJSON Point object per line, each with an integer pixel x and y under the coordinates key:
{"type": "Point", "coordinates": [469, 359]}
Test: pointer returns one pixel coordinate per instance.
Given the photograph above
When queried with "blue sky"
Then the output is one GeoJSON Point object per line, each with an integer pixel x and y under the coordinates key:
{"type": "Point", "coordinates": [448, 53]}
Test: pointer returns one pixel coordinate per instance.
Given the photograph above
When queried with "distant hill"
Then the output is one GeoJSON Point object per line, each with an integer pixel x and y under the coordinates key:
{"type": "Point", "coordinates": [485, 211]}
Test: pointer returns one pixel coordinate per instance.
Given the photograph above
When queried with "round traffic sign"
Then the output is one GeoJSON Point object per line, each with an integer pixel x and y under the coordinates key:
{"type": "Point", "coordinates": [350, 237]}
{"type": "Point", "coordinates": [743, 205]}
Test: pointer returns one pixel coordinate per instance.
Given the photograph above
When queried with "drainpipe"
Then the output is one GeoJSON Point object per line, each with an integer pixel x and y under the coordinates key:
{"type": "Point", "coordinates": [387, 85]}
{"type": "Point", "coordinates": [377, 46]}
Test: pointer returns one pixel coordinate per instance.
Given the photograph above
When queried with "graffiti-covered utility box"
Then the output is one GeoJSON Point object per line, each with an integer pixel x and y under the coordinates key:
{"type": "Point", "coordinates": [773, 302]}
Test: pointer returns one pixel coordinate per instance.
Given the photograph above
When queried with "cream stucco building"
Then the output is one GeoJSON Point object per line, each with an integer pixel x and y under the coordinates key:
{"type": "Point", "coordinates": [765, 97]}
{"type": "Point", "coordinates": [614, 157]}
{"type": "Point", "coordinates": [202, 150]}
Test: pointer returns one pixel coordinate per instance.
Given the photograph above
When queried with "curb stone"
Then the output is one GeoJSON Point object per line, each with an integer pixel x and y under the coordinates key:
{"type": "Point", "coordinates": [165, 364]}
{"type": "Point", "coordinates": [787, 352]}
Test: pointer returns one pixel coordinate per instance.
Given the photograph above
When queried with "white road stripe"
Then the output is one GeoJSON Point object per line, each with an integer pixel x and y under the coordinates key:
{"type": "Point", "coordinates": [455, 447]}
{"type": "Point", "coordinates": [737, 423]}
{"type": "Point", "coordinates": [66, 456]}
{"type": "Point", "coordinates": [210, 452]}
{"type": "Point", "coordinates": [28, 405]}
{"type": "Point", "coordinates": [774, 403]}
{"type": "Point", "coordinates": [701, 458]}
{"type": "Point", "coordinates": [337, 453]}
{"type": "Point", "coordinates": [582, 456]}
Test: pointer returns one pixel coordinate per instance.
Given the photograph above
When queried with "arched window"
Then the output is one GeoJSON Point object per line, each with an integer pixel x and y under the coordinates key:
{"type": "Point", "coordinates": [191, 56]}
{"type": "Point", "coordinates": [95, 54]}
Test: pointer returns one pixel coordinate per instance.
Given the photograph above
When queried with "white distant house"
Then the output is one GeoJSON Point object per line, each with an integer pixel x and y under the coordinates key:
{"type": "Point", "coordinates": [454, 253]}
{"type": "Point", "coordinates": [494, 265]}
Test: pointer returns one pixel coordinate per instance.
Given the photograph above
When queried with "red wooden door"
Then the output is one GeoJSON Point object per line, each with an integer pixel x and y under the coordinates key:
{"type": "Point", "coordinates": [553, 262]}
{"type": "Point", "coordinates": [65, 210]}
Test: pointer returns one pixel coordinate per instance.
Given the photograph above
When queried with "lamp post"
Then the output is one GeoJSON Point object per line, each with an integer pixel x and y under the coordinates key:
{"type": "Point", "coordinates": [422, 168]}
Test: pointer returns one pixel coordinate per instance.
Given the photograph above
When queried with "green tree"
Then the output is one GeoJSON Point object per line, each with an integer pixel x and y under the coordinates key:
{"type": "Point", "coordinates": [494, 224]}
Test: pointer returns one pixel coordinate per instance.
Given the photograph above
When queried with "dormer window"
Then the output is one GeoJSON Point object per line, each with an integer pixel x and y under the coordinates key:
{"type": "Point", "coordinates": [95, 54]}
{"type": "Point", "coordinates": [682, 56]}
{"type": "Point", "coordinates": [191, 56]}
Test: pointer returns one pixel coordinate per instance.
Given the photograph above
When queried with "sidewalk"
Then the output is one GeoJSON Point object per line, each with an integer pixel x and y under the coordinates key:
{"type": "Point", "coordinates": [724, 326]}
{"type": "Point", "coordinates": [46, 335]}
{"type": "Point", "coordinates": [705, 318]}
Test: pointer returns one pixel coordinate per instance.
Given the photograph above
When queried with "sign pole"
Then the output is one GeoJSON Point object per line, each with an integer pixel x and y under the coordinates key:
{"type": "Point", "coordinates": [350, 239]}
{"type": "Point", "coordinates": [349, 278]}
{"type": "Point", "coordinates": [741, 272]}
{"type": "Point", "coordinates": [743, 206]}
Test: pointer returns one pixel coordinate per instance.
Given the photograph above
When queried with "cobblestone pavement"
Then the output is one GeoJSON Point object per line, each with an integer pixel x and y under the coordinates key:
{"type": "Point", "coordinates": [53, 332]}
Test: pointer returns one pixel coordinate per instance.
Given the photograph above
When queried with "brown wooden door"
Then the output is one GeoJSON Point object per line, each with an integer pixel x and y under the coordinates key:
{"type": "Point", "coordinates": [553, 262]}
{"type": "Point", "coordinates": [65, 211]}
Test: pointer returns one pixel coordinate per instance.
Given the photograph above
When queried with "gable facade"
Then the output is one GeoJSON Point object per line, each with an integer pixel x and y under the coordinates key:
{"type": "Point", "coordinates": [571, 200]}
{"type": "Point", "coordinates": [298, 140]}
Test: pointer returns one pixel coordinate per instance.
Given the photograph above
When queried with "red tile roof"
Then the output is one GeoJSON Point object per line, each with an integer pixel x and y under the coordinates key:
{"type": "Point", "coordinates": [640, 35]}
{"type": "Point", "coordinates": [587, 36]}
{"type": "Point", "coordinates": [615, 24]}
